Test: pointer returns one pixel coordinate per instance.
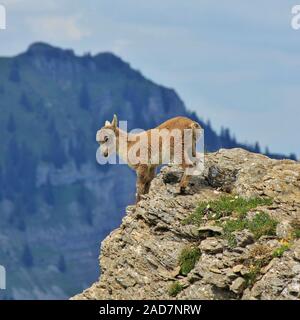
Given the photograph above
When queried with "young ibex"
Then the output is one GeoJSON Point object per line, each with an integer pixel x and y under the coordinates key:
{"type": "Point", "coordinates": [181, 134]}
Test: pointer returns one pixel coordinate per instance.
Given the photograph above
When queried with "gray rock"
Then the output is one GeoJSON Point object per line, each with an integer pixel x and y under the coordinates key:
{"type": "Point", "coordinates": [284, 229]}
{"type": "Point", "coordinates": [238, 285]}
{"type": "Point", "coordinates": [172, 177]}
{"type": "Point", "coordinates": [297, 250]}
{"type": "Point", "coordinates": [243, 238]}
{"type": "Point", "coordinates": [294, 288]}
{"type": "Point", "coordinates": [210, 231]}
{"type": "Point", "coordinates": [212, 245]}
{"type": "Point", "coordinates": [238, 268]}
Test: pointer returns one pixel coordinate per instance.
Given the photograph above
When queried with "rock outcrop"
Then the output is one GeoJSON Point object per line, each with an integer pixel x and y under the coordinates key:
{"type": "Point", "coordinates": [139, 260]}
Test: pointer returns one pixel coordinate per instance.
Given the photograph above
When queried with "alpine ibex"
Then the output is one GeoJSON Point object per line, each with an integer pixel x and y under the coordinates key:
{"type": "Point", "coordinates": [145, 151]}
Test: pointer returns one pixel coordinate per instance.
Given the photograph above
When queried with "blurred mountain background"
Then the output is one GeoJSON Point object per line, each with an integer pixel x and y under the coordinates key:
{"type": "Point", "coordinates": [56, 202]}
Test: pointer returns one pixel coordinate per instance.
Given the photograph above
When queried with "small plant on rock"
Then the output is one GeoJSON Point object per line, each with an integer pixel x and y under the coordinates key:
{"type": "Point", "coordinates": [296, 228]}
{"type": "Point", "coordinates": [251, 275]}
{"type": "Point", "coordinates": [259, 256]}
{"type": "Point", "coordinates": [175, 288]}
{"type": "Point", "coordinates": [188, 258]}
{"type": "Point", "coordinates": [296, 233]}
{"type": "Point", "coordinates": [262, 224]}
{"type": "Point", "coordinates": [278, 252]}
{"type": "Point", "coordinates": [231, 226]}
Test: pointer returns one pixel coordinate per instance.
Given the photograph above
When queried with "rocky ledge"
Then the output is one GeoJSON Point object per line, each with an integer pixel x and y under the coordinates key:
{"type": "Point", "coordinates": [234, 236]}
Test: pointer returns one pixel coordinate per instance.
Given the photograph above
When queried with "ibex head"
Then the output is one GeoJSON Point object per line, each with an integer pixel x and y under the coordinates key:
{"type": "Point", "coordinates": [106, 137]}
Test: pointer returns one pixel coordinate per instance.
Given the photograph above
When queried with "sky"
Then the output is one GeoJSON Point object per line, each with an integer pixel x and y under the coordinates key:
{"type": "Point", "coordinates": [235, 63]}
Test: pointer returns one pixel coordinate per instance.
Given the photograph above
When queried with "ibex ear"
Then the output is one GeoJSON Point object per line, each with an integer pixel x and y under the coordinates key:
{"type": "Point", "coordinates": [114, 122]}
{"type": "Point", "coordinates": [107, 123]}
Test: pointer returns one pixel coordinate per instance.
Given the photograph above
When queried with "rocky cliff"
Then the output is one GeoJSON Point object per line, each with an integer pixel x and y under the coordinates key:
{"type": "Point", "coordinates": [235, 236]}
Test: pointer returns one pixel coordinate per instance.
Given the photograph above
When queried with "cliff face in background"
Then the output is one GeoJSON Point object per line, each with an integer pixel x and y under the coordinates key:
{"type": "Point", "coordinates": [252, 255]}
{"type": "Point", "coordinates": [56, 203]}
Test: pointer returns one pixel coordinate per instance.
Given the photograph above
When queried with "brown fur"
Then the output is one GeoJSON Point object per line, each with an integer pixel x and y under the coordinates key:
{"type": "Point", "coordinates": [146, 172]}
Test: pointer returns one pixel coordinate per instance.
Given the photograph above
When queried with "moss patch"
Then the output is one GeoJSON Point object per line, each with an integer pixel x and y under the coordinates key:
{"type": "Point", "coordinates": [188, 258]}
{"type": "Point", "coordinates": [175, 288]}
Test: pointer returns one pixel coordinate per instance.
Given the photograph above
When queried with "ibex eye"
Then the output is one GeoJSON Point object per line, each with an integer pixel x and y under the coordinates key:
{"type": "Point", "coordinates": [106, 139]}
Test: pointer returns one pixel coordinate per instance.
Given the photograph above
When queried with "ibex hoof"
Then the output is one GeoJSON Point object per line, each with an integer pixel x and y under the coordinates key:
{"type": "Point", "coordinates": [185, 191]}
{"type": "Point", "coordinates": [182, 190]}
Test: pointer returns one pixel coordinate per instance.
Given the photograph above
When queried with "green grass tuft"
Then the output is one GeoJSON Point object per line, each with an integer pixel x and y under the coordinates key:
{"type": "Point", "coordinates": [234, 225]}
{"type": "Point", "coordinates": [188, 258]}
{"type": "Point", "coordinates": [296, 233]}
{"type": "Point", "coordinates": [296, 228]}
{"type": "Point", "coordinates": [252, 275]}
{"type": "Point", "coordinates": [262, 224]}
{"type": "Point", "coordinates": [230, 226]}
{"type": "Point", "coordinates": [175, 288]}
{"type": "Point", "coordinates": [278, 253]}
{"type": "Point", "coordinates": [225, 206]}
